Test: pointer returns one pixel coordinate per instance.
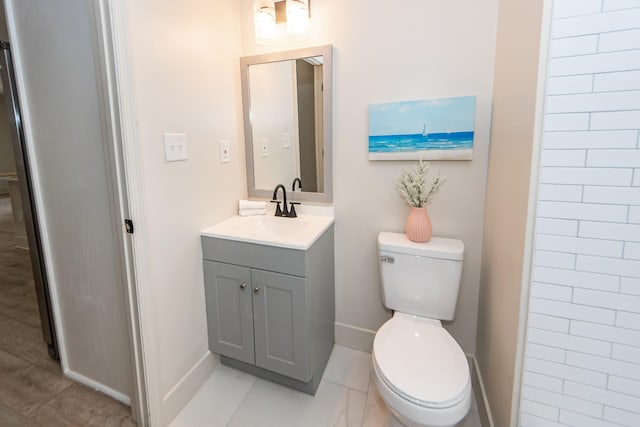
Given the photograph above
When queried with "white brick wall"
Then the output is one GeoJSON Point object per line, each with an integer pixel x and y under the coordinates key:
{"type": "Point", "coordinates": [582, 357]}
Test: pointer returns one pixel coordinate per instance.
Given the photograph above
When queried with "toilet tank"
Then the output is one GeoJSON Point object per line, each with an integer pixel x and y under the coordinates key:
{"type": "Point", "coordinates": [420, 278]}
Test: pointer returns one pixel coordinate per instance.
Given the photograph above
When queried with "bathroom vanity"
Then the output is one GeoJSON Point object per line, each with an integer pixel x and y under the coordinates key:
{"type": "Point", "coordinates": [269, 281]}
{"type": "Point", "coordinates": [269, 285]}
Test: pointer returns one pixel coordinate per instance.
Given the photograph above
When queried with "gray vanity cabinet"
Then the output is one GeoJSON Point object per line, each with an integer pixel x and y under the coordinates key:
{"type": "Point", "coordinates": [228, 294]}
{"type": "Point", "coordinates": [279, 319]}
{"type": "Point", "coordinates": [258, 317]}
{"type": "Point", "coordinates": [270, 310]}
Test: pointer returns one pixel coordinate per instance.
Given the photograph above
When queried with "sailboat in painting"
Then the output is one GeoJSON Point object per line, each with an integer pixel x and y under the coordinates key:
{"type": "Point", "coordinates": [425, 131]}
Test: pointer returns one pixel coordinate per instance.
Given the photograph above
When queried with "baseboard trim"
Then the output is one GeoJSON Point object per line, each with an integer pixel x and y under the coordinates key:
{"type": "Point", "coordinates": [120, 397]}
{"type": "Point", "coordinates": [354, 337]}
{"type": "Point", "coordinates": [178, 397]}
{"type": "Point", "coordinates": [484, 411]}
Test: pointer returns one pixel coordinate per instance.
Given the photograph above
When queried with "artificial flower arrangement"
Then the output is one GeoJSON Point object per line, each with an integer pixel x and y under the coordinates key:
{"type": "Point", "coordinates": [411, 184]}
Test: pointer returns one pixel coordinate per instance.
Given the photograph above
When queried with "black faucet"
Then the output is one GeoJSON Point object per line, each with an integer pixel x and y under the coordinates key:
{"type": "Point", "coordinates": [293, 186]}
{"type": "Point", "coordinates": [286, 212]}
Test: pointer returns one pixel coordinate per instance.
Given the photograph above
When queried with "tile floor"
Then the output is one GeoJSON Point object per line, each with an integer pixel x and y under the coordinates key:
{"type": "Point", "coordinates": [33, 391]}
{"type": "Point", "coordinates": [346, 397]}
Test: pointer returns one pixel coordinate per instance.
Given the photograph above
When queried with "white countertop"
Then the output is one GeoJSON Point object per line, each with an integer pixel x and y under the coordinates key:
{"type": "Point", "coordinates": [292, 233]}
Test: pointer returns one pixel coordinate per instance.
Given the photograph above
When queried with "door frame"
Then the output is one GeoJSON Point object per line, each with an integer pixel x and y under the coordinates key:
{"type": "Point", "coordinates": [122, 186]}
{"type": "Point", "coordinates": [123, 105]}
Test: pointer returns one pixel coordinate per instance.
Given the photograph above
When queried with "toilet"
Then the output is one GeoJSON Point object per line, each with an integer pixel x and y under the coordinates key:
{"type": "Point", "coordinates": [419, 370]}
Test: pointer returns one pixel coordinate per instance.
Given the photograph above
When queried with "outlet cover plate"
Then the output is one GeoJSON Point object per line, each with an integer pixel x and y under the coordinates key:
{"type": "Point", "coordinates": [225, 153]}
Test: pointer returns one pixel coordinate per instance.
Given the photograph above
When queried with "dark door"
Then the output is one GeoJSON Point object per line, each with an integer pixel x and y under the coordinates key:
{"type": "Point", "coordinates": [26, 196]}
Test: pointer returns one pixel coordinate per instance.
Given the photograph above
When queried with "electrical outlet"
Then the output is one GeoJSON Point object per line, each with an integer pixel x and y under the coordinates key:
{"type": "Point", "coordinates": [175, 147]}
{"type": "Point", "coordinates": [265, 147]}
{"type": "Point", "coordinates": [225, 152]}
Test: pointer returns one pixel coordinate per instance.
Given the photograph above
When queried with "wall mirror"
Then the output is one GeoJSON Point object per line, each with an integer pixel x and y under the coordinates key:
{"type": "Point", "coordinates": [287, 108]}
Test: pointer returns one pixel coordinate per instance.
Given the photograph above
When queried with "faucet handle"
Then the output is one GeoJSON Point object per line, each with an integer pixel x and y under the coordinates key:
{"type": "Point", "coordinates": [278, 210]}
{"type": "Point", "coordinates": [292, 210]}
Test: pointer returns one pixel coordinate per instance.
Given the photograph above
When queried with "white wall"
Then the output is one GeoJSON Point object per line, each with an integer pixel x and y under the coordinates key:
{"type": "Point", "coordinates": [506, 239]}
{"type": "Point", "coordinates": [582, 362]}
{"type": "Point", "coordinates": [186, 78]}
{"type": "Point", "coordinates": [54, 56]}
{"type": "Point", "coordinates": [387, 52]}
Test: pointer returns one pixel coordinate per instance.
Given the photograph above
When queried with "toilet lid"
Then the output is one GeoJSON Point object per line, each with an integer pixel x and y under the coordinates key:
{"type": "Point", "coordinates": [419, 360]}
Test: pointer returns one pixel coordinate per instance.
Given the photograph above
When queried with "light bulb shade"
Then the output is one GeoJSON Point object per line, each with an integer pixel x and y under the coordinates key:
{"type": "Point", "coordinates": [297, 16]}
{"type": "Point", "coordinates": [264, 21]}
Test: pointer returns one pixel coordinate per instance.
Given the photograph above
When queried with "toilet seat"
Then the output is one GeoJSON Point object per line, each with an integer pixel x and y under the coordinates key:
{"type": "Point", "coordinates": [418, 359]}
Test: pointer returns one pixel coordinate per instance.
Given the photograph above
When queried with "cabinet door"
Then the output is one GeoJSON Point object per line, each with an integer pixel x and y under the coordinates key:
{"type": "Point", "coordinates": [280, 324]}
{"type": "Point", "coordinates": [229, 310]}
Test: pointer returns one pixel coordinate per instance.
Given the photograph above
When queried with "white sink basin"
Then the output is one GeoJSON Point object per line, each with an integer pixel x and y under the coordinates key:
{"type": "Point", "coordinates": [281, 226]}
{"type": "Point", "coordinates": [293, 233]}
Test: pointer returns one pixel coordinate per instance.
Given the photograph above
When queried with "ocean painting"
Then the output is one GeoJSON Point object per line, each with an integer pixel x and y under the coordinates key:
{"type": "Point", "coordinates": [437, 129]}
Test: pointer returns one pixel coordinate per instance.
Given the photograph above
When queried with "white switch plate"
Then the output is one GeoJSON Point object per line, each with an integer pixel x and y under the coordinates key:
{"type": "Point", "coordinates": [175, 147]}
{"type": "Point", "coordinates": [286, 140]}
{"type": "Point", "coordinates": [265, 147]}
{"type": "Point", "coordinates": [225, 152]}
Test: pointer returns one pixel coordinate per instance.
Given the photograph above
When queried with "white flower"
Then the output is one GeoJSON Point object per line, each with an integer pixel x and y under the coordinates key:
{"type": "Point", "coordinates": [411, 185]}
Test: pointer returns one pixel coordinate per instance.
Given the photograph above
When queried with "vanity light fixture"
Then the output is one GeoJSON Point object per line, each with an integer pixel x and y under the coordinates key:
{"type": "Point", "coordinates": [297, 16]}
{"type": "Point", "coordinates": [268, 13]}
{"type": "Point", "coordinates": [264, 20]}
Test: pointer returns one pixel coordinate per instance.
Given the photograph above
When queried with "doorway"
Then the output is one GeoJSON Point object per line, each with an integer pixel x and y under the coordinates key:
{"type": "Point", "coordinates": [33, 388]}
{"type": "Point", "coordinates": [70, 138]}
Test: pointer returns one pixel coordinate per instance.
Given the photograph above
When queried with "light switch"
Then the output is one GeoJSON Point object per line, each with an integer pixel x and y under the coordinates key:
{"type": "Point", "coordinates": [175, 147]}
{"type": "Point", "coordinates": [225, 152]}
{"type": "Point", "coordinates": [265, 147]}
{"type": "Point", "coordinates": [286, 140]}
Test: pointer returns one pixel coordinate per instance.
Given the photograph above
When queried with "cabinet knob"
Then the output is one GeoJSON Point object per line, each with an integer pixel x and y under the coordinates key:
{"type": "Point", "coordinates": [256, 290]}
{"type": "Point", "coordinates": [244, 285]}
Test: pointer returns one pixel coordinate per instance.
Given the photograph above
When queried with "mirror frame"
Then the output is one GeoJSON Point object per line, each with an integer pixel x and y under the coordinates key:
{"type": "Point", "coordinates": [327, 106]}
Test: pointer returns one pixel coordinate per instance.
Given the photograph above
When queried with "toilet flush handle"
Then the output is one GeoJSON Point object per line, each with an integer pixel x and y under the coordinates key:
{"type": "Point", "coordinates": [389, 259]}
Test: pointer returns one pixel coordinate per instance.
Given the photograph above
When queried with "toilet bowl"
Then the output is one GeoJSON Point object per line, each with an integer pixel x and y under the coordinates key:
{"type": "Point", "coordinates": [419, 370]}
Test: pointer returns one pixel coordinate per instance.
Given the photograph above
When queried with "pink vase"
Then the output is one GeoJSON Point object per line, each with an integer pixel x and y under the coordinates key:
{"type": "Point", "coordinates": [418, 227]}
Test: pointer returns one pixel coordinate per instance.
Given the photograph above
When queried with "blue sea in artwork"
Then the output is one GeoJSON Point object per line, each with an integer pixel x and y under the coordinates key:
{"type": "Point", "coordinates": [418, 142]}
